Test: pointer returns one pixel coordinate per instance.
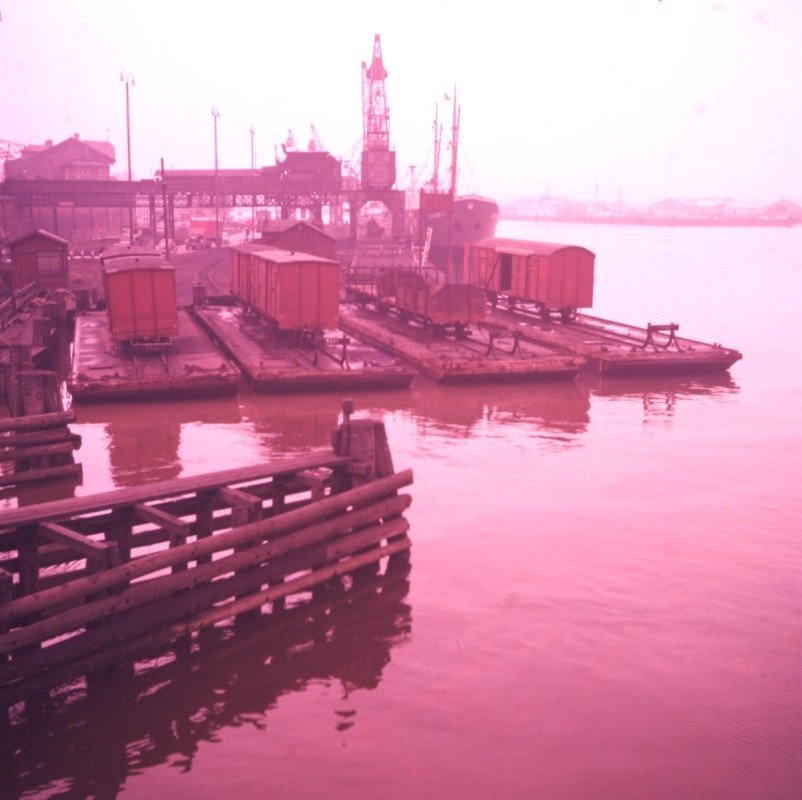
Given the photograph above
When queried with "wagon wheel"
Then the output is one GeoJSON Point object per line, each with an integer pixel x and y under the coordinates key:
{"type": "Point", "coordinates": [493, 297]}
{"type": "Point", "coordinates": [567, 314]}
{"type": "Point", "coordinates": [544, 312]}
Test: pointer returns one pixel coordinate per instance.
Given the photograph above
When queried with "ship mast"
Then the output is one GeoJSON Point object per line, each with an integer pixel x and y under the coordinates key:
{"type": "Point", "coordinates": [454, 145]}
{"type": "Point", "coordinates": [438, 136]}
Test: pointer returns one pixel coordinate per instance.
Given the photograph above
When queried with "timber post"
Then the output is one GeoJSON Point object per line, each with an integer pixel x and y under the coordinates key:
{"type": "Point", "coordinates": [365, 440]}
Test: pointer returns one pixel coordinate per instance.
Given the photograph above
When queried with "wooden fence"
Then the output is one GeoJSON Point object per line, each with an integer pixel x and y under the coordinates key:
{"type": "Point", "coordinates": [89, 580]}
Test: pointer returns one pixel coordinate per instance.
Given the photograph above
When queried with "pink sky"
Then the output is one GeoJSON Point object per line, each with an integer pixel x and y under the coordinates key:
{"type": "Point", "coordinates": [638, 99]}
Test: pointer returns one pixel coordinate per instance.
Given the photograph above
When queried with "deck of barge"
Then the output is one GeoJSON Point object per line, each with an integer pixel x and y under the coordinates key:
{"type": "Point", "coordinates": [485, 355]}
{"type": "Point", "coordinates": [192, 366]}
{"type": "Point", "coordinates": [335, 362]}
{"type": "Point", "coordinates": [616, 348]}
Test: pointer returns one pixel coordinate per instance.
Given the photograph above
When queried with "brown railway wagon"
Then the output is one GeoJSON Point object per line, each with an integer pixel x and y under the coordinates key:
{"type": "Point", "coordinates": [555, 277]}
{"type": "Point", "coordinates": [141, 297]}
{"type": "Point", "coordinates": [295, 290]}
{"type": "Point", "coordinates": [415, 295]}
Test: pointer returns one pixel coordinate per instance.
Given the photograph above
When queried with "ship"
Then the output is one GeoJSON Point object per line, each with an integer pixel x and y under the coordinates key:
{"type": "Point", "coordinates": [448, 223]}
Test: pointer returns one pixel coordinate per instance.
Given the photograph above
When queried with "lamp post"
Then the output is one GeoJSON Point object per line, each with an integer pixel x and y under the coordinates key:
{"type": "Point", "coordinates": [253, 193]}
{"type": "Point", "coordinates": [128, 79]}
{"type": "Point", "coordinates": [216, 116]}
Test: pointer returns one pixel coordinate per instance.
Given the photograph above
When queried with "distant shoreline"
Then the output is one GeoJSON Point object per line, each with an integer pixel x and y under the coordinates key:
{"type": "Point", "coordinates": [670, 222]}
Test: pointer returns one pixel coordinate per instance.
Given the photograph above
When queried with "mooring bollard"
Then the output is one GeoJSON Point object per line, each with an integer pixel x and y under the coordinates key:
{"type": "Point", "coordinates": [366, 441]}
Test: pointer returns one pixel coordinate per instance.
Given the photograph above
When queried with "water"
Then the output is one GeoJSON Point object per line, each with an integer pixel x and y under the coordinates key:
{"type": "Point", "coordinates": [604, 593]}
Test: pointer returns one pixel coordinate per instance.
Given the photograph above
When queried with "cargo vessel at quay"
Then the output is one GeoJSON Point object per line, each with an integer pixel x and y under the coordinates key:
{"type": "Point", "coordinates": [449, 223]}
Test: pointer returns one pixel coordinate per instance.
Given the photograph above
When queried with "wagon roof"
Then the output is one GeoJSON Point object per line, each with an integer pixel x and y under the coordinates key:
{"type": "Point", "coordinates": [291, 257]}
{"type": "Point", "coordinates": [139, 261]}
{"type": "Point", "coordinates": [525, 247]}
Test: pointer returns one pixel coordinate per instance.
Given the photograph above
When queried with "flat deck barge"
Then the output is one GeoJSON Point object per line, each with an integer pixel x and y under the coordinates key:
{"type": "Point", "coordinates": [192, 366]}
{"type": "Point", "coordinates": [616, 348]}
{"type": "Point", "coordinates": [487, 354]}
{"type": "Point", "coordinates": [334, 361]}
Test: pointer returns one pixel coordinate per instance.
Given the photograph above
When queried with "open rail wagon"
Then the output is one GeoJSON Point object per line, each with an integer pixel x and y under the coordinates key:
{"type": "Point", "coordinates": [140, 297]}
{"type": "Point", "coordinates": [296, 291]}
{"type": "Point", "coordinates": [416, 296]}
{"type": "Point", "coordinates": [556, 278]}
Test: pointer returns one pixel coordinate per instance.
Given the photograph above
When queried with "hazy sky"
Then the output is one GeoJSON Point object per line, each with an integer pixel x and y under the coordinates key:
{"type": "Point", "coordinates": [640, 99]}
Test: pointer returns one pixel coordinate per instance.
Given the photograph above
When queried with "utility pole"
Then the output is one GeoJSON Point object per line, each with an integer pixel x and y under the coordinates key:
{"type": "Point", "coordinates": [253, 193]}
{"type": "Point", "coordinates": [128, 78]}
{"type": "Point", "coordinates": [216, 116]}
{"type": "Point", "coordinates": [164, 210]}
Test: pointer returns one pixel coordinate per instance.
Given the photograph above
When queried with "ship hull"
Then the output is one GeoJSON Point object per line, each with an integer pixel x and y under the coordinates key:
{"type": "Point", "coordinates": [472, 219]}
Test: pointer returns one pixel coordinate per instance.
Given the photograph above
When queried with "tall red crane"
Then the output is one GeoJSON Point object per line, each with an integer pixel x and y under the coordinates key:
{"type": "Point", "coordinates": [378, 160]}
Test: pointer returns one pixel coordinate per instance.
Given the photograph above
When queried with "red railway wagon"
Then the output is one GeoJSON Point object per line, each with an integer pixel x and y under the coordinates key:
{"type": "Point", "coordinates": [555, 277]}
{"type": "Point", "coordinates": [140, 297]}
{"type": "Point", "coordinates": [444, 304]}
{"type": "Point", "coordinates": [295, 290]}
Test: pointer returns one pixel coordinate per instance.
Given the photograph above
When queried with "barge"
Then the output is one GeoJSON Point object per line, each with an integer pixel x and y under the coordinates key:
{"type": "Point", "coordinates": [617, 348]}
{"type": "Point", "coordinates": [328, 359]}
{"type": "Point", "coordinates": [190, 365]}
{"type": "Point", "coordinates": [480, 353]}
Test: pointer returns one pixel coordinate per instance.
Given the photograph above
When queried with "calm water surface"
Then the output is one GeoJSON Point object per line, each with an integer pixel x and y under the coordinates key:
{"type": "Point", "coordinates": [604, 592]}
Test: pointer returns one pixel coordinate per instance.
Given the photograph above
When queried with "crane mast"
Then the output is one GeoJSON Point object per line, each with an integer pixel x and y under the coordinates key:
{"type": "Point", "coordinates": [378, 160]}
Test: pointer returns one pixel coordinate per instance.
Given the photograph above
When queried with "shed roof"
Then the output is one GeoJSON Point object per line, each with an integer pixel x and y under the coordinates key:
{"type": "Point", "coordinates": [279, 226]}
{"type": "Point", "coordinates": [39, 232]}
{"type": "Point", "coordinates": [524, 247]}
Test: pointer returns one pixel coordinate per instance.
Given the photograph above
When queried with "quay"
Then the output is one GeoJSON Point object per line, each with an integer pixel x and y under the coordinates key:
{"type": "Point", "coordinates": [104, 371]}
{"type": "Point", "coordinates": [271, 363]}
{"type": "Point", "coordinates": [88, 581]}
{"type": "Point", "coordinates": [485, 354]}
{"type": "Point", "coordinates": [617, 348]}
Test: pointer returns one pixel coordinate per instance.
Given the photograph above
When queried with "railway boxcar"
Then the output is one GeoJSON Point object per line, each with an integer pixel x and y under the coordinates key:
{"type": "Point", "coordinates": [555, 277]}
{"type": "Point", "coordinates": [295, 290]}
{"type": "Point", "coordinates": [241, 257]}
{"type": "Point", "coordinates": [140, 297]}
{"type": "Point", "coordinates": [443, 304]}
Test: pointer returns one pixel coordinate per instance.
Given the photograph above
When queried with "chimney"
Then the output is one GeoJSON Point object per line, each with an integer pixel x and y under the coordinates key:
{"type": "Point", "coordinates": [75, 136]}
{"type": "Point", "coordinates": [48, 143]}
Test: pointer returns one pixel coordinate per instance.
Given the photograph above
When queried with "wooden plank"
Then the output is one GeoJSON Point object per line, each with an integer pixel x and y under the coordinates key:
{"type": "Point", "coordinates": [136, 644]}
{"type": "Point", "coordinates": [43, 473]}
{"type": "Point", "coordinates": [83, 546]}
{"type": "Point", "coordinates": [36, 451]}
{"type": "Point", "coordinates": [62, 509]}
{"type": "Point", "coordinates": [145, 594]}
{"type": "Point", "coordinates": [274, 528]}
{"type": "Point", "coordinates": [239, 498]}
{"type": "Point", "coordinates": [47, 436]}
{"type": "Point", "coordinates": [37, 421]}
{"type": "Point", "coordinates": [164, 614]}
{"type": "Point", "coordinates": [173, 525]}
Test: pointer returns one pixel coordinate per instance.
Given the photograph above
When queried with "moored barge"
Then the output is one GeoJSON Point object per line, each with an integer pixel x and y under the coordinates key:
{"type": "Point", "coordinates": [191, 366]}
{"type": "Point", "coordinates": [481, 353]}
{"type": "Point", "coordinates": [617, 348]}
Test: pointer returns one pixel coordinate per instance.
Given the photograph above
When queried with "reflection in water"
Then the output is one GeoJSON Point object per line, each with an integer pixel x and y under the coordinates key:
{"type": "Point", "coordinates": [555, 406]}
{"type": "Point", "coordinates": [660, 394]}
{"type": "Point", "coordinates": [177, 699]}
{"type": "Point", "coordinates": [294, 423]}
{"type": "Point", "coordinates": [143, 439]}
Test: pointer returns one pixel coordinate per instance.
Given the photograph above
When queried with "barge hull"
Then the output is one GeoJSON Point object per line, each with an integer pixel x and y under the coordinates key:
{"type": "Point", "coordinates": [616, 348]}
{"type": "Point", "coordinates": [102, 371]}
{"type": "Point", "coordinates": [272, 366]}
{"type": "Point", "coordinates": [457, 361]}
